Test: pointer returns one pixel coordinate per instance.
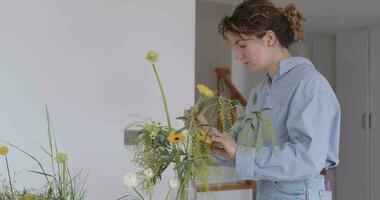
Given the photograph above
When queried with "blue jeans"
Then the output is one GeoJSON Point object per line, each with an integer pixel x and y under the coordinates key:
{"type": "Point", "coordinates": [305, 189]}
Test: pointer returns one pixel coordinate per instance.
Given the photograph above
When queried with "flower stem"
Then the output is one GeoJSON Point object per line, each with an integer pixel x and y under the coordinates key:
{"type": "Point", "coordinates": [142, 198]}
{"type": "Point", "coordinates": [167, 194]}
{"type": "Point", "coordinates": [9, 176]}
{"type": "Point", "coordinates": [64, 182]}
{"type": "Point", "coordinates": [177, 159]}
{"type": "Point", "coordinates": [163, 96]}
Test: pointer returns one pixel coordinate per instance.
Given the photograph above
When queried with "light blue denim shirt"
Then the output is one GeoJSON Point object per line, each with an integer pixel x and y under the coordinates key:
{"type": "Point", "coordinates": [305, 114]}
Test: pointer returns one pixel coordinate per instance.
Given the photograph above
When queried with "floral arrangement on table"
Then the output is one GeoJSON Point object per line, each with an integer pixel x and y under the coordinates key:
{"type": "Point", "coordinates": [189, 147]}
{"type": "Point", "coordinates": [60, 183]}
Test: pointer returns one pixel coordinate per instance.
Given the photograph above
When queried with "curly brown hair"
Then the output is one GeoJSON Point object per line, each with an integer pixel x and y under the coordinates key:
{"type": "Point", "coordinates": [256, 17]}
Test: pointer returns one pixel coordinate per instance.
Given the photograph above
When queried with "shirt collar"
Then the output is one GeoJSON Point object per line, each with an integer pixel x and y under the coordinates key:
{"type": "Point", "coordinates": [287, 64]}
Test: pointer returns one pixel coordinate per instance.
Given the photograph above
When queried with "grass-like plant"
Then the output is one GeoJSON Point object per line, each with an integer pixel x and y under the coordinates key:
{"type": "Point", "coordinates": [60, 183]}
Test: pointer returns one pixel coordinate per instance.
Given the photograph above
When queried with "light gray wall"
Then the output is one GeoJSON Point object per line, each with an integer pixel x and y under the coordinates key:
{"type": "Point", "coordinates": [324, 51]}
{"type": "Point", "coordinates": [212, 50]}
{"type": "Point", "coordinates": [86, 60]}
{"type": "Point", "coordinates": [320, 49]}
{"type": "Point", "coordinates": [324, 57]}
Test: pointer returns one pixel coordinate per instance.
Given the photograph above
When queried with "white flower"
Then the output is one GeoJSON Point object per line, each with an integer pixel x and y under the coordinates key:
{"type": "Point", "coordinates": [149, 173]}
{"type": "Point", "coordinates": [130, 180]}
{"type": "Point", "coordinates": [173, 183]}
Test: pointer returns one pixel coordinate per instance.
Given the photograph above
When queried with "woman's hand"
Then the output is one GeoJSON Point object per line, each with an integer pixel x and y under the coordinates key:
{"type": "Point", "coordinates": [229, 148]}
{"type": "Point", "coordinates": [229, 145]}
{"type": "Point", "coordinates": [191, 112]}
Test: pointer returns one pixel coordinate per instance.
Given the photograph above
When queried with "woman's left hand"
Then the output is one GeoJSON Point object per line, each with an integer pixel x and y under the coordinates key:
{"type": "Point", "coordinates": [229, 145]}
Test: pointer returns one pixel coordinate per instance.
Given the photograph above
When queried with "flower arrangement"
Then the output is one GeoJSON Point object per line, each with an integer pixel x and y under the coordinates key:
{"type": "Point", "coordinates": [188, 148]}
{"type": "Point", "coordinates": [60, 183]}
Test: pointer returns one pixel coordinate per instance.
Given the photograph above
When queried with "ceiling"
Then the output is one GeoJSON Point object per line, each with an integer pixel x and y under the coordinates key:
{"type": "Point", "coordinates": [331, 16]}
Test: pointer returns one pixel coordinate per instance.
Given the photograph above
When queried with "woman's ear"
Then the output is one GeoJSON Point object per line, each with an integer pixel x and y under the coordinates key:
{"type": "Point", "coordinates": [270, 38]}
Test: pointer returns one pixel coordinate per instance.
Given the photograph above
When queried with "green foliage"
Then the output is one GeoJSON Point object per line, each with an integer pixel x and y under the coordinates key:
{"type": "Point", "coordinates": [60, 183]}
{"type": "Point", "coordinates": [256, 129]}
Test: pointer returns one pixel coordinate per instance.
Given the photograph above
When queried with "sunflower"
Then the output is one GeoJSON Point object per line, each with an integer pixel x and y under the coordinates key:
{"type": "Point", "coordinates": [175, 138]}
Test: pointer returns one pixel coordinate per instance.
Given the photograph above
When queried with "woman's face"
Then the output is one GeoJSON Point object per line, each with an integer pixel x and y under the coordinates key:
{"type": "Point", "coordinates": [253, 52]}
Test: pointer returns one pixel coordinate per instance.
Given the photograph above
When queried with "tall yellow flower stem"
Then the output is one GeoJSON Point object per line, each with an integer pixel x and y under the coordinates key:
{"type": "Point", "coordinates": [4, 151]}
{"type": "Point", "coordinates": [163, 96]}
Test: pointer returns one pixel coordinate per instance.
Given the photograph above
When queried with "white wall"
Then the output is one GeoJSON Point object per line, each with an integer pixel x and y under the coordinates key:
{"type": "Point", "coordinates": [86, 60]}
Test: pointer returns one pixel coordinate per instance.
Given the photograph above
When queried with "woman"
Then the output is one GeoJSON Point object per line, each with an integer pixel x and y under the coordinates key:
{"type": "Point", "coordinates": [304, 110]}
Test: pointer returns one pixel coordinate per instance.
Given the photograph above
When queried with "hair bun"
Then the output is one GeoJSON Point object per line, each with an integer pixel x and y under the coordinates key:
{"type": "Point", "coordinates": [296, 20]}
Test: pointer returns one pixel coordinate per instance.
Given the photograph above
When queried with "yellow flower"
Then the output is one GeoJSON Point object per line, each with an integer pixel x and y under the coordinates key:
{"type": "Point", "coordinates": [175, 138]}
{"type": "Point", "coordinates": [205, 90]}
{"type": "Point", "coordinates": [4, 150]}
{"type": "Point", "coordinates": [152, 57]}
{"type": "Point", "coordinates": [28, 196]}
{"type": "Point", "coordinates": [204, 137]}
{"type": "Point", "coordinates": [61, 157]}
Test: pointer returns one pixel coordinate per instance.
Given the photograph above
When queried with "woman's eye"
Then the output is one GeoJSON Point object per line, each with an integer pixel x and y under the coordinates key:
{"type": "Point", "coordinates": [243, 46]}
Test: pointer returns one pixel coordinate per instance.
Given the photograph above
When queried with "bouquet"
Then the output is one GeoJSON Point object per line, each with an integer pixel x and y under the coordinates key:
{"type": "Point", "coordinates": [187, 147]}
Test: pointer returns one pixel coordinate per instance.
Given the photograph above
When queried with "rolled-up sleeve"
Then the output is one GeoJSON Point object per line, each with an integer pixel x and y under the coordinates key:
{"type": "Point", "coordinates": [313, 121]}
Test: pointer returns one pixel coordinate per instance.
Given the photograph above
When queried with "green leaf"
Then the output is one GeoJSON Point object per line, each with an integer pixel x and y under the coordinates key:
{"type": "Point", "coordinates": [200, 107]}
{"type": "Point", "coordinates": [255, 99]}
{"type": "Point", "coordinates": [254, 128]}
{"type": "Point", "coordinates": [40, 173]}
{"type": "Point", "coordinates": [235, 102]}
{"type": "Point", "coordinates": [221, 87]}
{"type": "Point", "coordinates": [204, 125]}
{"type": "Point", "coordinates": [264, 109]}
{"type": "Point", "coordinates": [182, 118]}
